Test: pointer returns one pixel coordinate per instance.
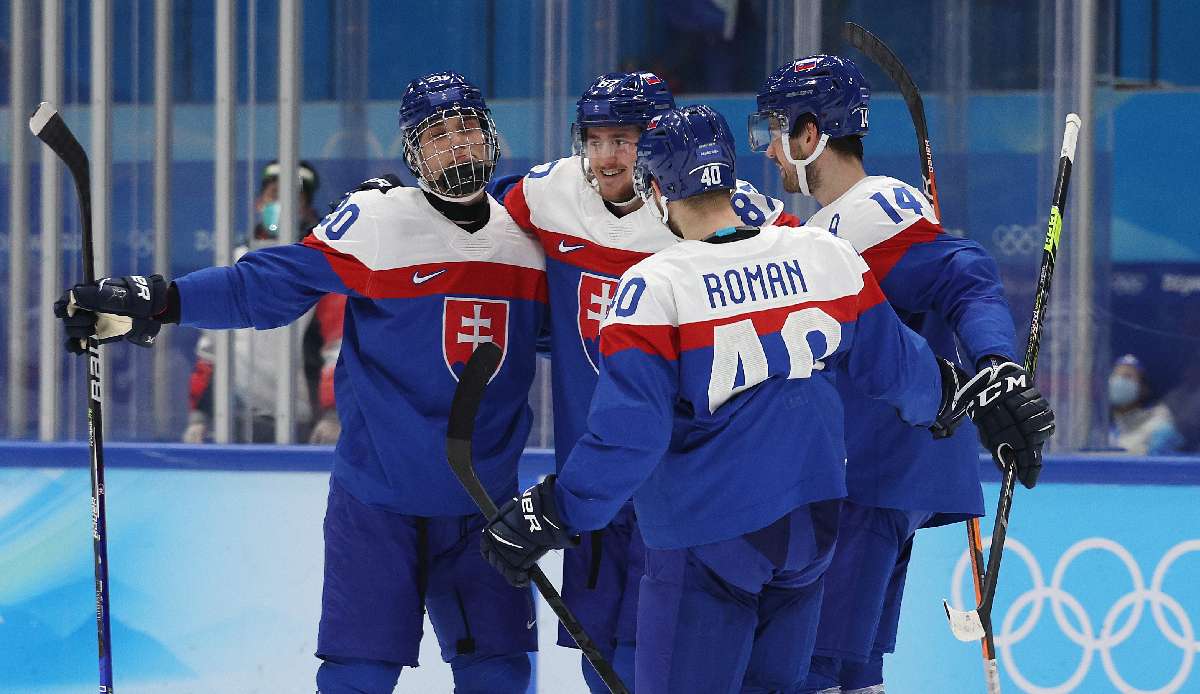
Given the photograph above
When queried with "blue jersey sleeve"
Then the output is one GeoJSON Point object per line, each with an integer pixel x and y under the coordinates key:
{"type": "Point", "coordinates": [264, 289]}
{"type": "Point", "coordinates": [888, 361]}
{"type": "Point", "coordinates": [924, 269]}
{"type": "Point", "coordinates": [500, 185]}
{"type": "Point", "coordinates": [630, 420]}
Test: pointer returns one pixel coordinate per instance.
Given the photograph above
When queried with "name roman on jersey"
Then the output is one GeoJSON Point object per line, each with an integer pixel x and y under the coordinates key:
{"type": "Point", "coordinates": [754, 283]}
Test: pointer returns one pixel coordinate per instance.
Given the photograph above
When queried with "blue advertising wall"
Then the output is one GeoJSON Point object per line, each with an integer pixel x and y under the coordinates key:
{"type": "Point", "coordinates": [215, 557]}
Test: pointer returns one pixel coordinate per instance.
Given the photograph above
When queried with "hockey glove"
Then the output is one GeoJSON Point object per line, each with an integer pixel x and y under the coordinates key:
{"type": "Point", "coordinates": [949, 416]}
{"type": "Point", "coordinates": [112, 309]}
{"type": "Point", "coordinates": [1011, 415]}
{"type": "Point", "coordinates": [524, 530]}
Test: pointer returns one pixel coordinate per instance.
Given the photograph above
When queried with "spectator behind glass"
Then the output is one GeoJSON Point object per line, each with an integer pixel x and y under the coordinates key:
{"type": "Point", "coordinates": [1137, 426]}
{"type": "Point", "coordinates": [254, 370]}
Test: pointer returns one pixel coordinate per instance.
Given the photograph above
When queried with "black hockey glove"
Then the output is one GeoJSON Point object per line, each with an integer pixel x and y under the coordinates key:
{"type": "Point", "coordinates": [1011, 415]}
{"type": "Point", "coordinates": [112, 309]}
{"type": "Point", "coordinates": [382, 184]}
{"type": "Point", "coordinates": [949, 416]}
{"type": "Point", "coordinates": [524, 530]}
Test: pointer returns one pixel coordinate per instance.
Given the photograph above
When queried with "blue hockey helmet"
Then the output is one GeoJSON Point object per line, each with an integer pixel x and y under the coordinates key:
{"type": "Point", "coordinates": [615, 99]}
{"type": "Point", "coordinates": [688, 151]}
{"type": "Point", "coordinates": [444, 119]}
{"type": "Point", "coordinates": [829, 88]}
{"type": "Point", "coordinates": [623, 98]}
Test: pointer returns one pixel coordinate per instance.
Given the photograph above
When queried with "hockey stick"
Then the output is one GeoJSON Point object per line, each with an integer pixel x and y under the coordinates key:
{"type": "Point", "coordinates": [881, 55]}
{"type": "Point", "coordinates": [875, 49]}
{"type": "Point", "coordinates": [969, 625]}
{"type": "Point", "coordinates": [49, 127]}
{"type": "Point", "coordinates": [467, 396]}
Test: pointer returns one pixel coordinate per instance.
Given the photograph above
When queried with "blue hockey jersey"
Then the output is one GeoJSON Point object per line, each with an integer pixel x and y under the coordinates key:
{"type": "Point", "coordinates": [716, 406]}
{"type": "Point", "coordinates": [422, 294]}
{"type": "Point", "coordinates": [948, 290]}
{"type": "Point", "coordinates": [587, 249]}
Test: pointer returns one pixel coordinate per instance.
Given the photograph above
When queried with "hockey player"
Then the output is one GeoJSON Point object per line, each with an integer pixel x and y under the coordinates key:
{"type": "Point", "coordinates": [716, 409]}
{"type": "Point", "coordinates": [593, 227]}
{"type": "Point", "coordinates": [430, 273]}
{"type": "Point", "coordinates": [812, 114]}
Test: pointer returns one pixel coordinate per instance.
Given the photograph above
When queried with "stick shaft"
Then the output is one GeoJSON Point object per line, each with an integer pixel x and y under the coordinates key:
{"type": "Point", "coordinates": [1041, 298]}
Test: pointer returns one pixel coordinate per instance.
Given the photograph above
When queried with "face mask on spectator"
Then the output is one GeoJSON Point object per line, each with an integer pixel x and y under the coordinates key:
{"type": "Point", "coordinates": [1122, 390]}
{"type": "Point", "coordinates": [270, 219]}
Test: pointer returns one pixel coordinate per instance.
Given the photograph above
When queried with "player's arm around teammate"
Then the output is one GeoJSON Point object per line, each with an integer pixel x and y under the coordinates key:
{"type": "Point", "coordinates": [429, 274]}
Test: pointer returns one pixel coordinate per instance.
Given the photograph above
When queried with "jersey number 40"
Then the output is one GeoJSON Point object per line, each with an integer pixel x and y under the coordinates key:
{"type": "Point", "coordinates": [740, 358]}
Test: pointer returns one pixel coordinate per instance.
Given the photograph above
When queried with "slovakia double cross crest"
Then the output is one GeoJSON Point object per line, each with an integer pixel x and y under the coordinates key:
{"type": "Point", "coordinates": [595, 296]}
{"type": "Point", "coordinates": [468, 323]}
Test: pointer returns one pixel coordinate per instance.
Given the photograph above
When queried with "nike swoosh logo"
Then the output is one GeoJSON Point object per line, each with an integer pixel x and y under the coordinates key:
{"type": "Point", "coordinates": [529, 625]}
{"type": "Point", "coordinates": [418, 278]}
{"type": "Point", "coordinates": [564, 248]}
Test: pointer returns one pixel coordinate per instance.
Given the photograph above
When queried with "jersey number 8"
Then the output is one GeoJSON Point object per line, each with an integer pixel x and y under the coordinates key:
{"type": "Point", "coordinates": [739, 343]}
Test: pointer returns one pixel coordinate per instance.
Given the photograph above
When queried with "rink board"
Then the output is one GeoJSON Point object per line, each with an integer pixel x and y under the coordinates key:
{"type": "Point", "coordinates": [215, 557]}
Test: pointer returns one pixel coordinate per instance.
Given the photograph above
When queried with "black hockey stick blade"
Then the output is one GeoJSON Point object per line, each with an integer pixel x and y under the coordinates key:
{"type": "Point", "coordinates": [461, 426]}
{"type": "Point", "coordinates": [48, 126]}
{"type": "Point", "coordinates": [463, 409]}
{"type": "Point", "coordinates": [879, 53]}
{"type": "Point", "coordinates": [875, 49]}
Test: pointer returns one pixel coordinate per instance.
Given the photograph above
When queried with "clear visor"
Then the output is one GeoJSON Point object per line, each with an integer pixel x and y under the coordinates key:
{"type": "Point", "coordinates": [764, 127]}
{"type": "Point", "coordinates": [595, 148]}
{"type": "Point", "coordinates": [598, 148]}
{"type": "Point", "coordinates": [454, 152]}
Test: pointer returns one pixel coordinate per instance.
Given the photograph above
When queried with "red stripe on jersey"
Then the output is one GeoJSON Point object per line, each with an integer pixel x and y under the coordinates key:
{"type": "Point", "coordinates": [567, 249]}
{"type": "Point", "coordinates": [658, 340]}
{"type": "Point", "coordinates": [472, 278]}
{"type": "Point", "coordinates": [583, 254]}
{"type": "Point", "coordinates": [787, 219]}
{"type": "Point", "coordinates": [843, 309]}
{"type": "Point", "coordinates": [588, 255]}
{"type": "Point", "coordinates": [518, 207]}
{"type": "Point", "coordinates": [883, 256]}
{"type": "Point", "coordinates": [349, 269]}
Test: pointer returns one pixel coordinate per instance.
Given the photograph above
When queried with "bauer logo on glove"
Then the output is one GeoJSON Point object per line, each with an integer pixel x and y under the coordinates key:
{"type": "Point", "coordinates": [113, 308]}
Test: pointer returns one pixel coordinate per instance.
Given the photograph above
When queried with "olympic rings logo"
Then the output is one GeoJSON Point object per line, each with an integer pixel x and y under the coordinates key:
{"type": "Point", "coordinates": [1081, 631]}
{"type": "Point", "coordinates": [1018, 239]}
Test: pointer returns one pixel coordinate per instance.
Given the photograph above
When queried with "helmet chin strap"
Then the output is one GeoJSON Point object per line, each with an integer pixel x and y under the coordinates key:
{"type": "Point", "coordinates": [662, 205]}
{"type": "Point", "coordinates": [460, 200]}
{"type": "Point", "coordinates": [627, 203]}
{"type": "Point", "coordinates": [787, 153]}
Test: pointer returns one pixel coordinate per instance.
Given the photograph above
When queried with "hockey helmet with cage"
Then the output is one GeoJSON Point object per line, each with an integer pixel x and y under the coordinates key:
{"type": "Point", "coordinates": [688, 152]}
{"type": "Point", "coordinates": [616, 99]}
{"type": "Point", "coordinates": [830, 89]}
{"type": "Point", "coordinates": [446, 114]}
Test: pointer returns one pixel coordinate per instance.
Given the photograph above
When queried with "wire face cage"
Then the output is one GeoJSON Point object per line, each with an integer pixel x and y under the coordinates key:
{"type": "Point", "coordinates": [453, 153]}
